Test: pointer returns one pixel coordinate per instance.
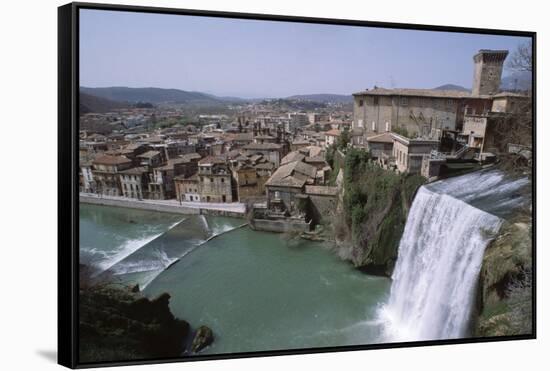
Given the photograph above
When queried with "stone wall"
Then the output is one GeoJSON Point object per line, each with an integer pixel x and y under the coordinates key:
{"type": "Point", "coordinates": [323, 207]}
{"type": "Point", "coordinates": [135, 204]}
{"type": "Point", "coordinates": [279, 226]}
{"type": "Point", "coordinates": [379, 114]}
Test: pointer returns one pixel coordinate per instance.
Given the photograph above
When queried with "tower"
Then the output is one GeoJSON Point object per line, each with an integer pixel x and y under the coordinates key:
{"type": "Point", "coordinates": [488, 71]}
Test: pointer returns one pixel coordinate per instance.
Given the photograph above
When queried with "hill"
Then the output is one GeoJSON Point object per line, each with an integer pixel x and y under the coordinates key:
{"type": "Point", "coordinates": [451, 87]}
{"type": "Point", "coordinates": [91, 103]}
{"type": "Point", "coordinates": [323, 98]}
{"type": "Point", "coordinates": [152, 95]}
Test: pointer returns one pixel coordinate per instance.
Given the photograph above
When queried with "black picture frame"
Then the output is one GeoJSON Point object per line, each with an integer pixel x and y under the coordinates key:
{"type": "Point", "coordinates": [68, 233]}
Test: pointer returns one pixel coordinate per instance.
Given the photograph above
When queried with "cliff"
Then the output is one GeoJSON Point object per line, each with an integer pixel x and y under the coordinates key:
{"type": "Point", "coordinates": [374, 211]}
{"type": "Point", "coordinates": [117, 323]}
{"type": "Point", "coordinates": [504, 300]}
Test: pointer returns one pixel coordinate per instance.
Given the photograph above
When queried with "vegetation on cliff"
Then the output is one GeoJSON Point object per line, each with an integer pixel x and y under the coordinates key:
{"type": "Point", "coordinates": [375, 207]}
{"type": "Point", "coordinates": [505, 290]}
{"type": "Point", "coordinates": [117, 323]}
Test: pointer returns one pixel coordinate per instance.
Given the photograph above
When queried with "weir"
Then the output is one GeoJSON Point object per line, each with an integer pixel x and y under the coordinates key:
{"type": "Point", "coordinates": [441, 252]}
{"type": "Point", "coordinates": [144, 264]}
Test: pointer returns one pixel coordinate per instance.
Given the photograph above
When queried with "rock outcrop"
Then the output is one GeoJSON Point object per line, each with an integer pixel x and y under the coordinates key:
{"type": "Point", "coordinates": [504, 293]}
{"type": "Point", "coordinates": [375, 206]}
{"type": "Point", "coordinates": [203, 338]}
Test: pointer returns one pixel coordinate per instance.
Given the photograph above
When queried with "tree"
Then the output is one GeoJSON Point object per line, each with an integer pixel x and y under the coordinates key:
{"type": "Point", "coordinates": [521, 59]}
{"type": "Point", "coordinates": [344, 138]}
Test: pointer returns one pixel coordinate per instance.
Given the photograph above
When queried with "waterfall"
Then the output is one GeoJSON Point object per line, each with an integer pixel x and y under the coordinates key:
{"type": "Point", "coordinates": [440, 256]}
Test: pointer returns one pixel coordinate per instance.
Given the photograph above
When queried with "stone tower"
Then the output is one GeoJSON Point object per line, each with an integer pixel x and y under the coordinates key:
{"type": "Point", "coordinates": [488, 71]}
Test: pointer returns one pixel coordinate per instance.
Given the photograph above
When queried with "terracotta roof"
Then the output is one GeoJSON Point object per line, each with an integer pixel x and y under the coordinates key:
{"type": "Point", "coordinates": [292, 156]}
{"type": "Point", "coordinates": [293, 174]}
{"type": "Point", "coordinates": [210, 160]}
{"type": "Point", "coordinates": [111, 160]}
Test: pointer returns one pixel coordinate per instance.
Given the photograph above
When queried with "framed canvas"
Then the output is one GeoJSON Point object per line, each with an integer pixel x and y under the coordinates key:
{"type": "Point", "coordinates": [239, 185]}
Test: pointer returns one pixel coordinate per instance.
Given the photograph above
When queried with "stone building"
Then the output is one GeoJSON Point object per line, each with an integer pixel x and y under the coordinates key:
{"type": "Point", "coordinates": [249, 185]}
{"type": "Point", "coordinates": [187, 188]}
{"type": "Point", "coordinates": [162, 185]}
{"type": "Point", "coordinates": [106, 171]}
{"type": "Point", "coordinates": [287, 182]}
{"type": "Point", "coordinates": [380, 145]}
{"type": "Point", "coordinates": [323, 202]}
{"type": "Point", "coordinates": [151, 159]}
{"type": "Point", "coordinates": [331, 137]}
{"type": "Point", "coordinates": [273, 152]}
{"type": "Point", "coordinates": [408, 153]}
{"type": "Point", "coordinates": [87, 183]}
{"type": "Point", "coordinates": [429, 112]}
{"type": "Point", "coordinates": [215, 181]}
{"type": "Point", "coordinates": [134, 182]}
{"type": "Point", "coordinates": [488, 71]}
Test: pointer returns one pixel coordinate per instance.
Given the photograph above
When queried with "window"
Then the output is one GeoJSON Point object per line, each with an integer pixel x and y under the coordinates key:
{"type": "Point", "coordinates": [211, 180]}
{"type": "Point", "coordinates": [223, 198]}
{"type": "Point", "coordinates": [360, 102]}
{"type": "Point", "coordinates": [404, 101]}
{"type": "Point", "coordinates": [223, 180]}
{"type": "Point", "coordinates": [375, 100]}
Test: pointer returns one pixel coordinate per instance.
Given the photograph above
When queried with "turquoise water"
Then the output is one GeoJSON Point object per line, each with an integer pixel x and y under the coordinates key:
{"type": "Point", "coordinates": [252, 288]}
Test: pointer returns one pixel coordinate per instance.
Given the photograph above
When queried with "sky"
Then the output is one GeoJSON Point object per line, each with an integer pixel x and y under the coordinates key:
{"type": "Point", "coordinates": [253, 59]}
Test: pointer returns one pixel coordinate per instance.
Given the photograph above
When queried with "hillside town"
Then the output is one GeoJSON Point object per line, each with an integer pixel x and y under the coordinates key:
{"type": "Point", "coordinates": [282, 162]}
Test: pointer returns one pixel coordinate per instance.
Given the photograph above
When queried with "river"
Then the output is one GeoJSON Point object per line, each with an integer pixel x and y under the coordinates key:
{"type": "Point", "coordinates": [254, 289]}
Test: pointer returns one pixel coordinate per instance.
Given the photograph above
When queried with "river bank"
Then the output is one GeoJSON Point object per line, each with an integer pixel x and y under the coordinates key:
{"type": "Point", "coordinates": [234, 209]}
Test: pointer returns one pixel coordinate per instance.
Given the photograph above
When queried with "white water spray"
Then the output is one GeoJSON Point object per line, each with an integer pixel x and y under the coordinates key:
{"type": "Point", "coordinates": [440, 256]}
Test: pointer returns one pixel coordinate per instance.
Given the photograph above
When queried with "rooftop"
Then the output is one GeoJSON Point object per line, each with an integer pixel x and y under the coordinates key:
{"type": "Point", "coordinates": [211, 160]}
{"type": "Point", "coordinates": [381, 138]}
{"type": "Point", "coordinates": [135, 171]}
{"type": "Point", "coordinates": [263, 146]}
{"type": "Point", "coordinates": [111, 160]}
{"type": "Point", "coordinates": [432, 93]}
{"type": "Point", "coordinates": [293, 174]}
{"type": "Point", "coordinates": [149, 154]}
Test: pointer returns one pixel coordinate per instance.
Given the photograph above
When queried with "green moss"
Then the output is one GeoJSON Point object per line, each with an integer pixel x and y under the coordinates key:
{"type": "Point", "coordinates": [504, 298]}
{"type": "Point", "coordinates": [376, 204]}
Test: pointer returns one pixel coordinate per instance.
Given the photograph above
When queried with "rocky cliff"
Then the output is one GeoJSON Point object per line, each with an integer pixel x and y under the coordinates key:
{"type": "Point", "coordinates": [504, 302]}
{"type": "Point", "coordinates": [373, 214]}
{"type": "Point", "coordinates": [117, 323]}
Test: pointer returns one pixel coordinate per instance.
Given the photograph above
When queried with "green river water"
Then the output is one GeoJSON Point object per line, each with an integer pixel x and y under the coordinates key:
{"type": "Point", "coordinates": [253, 289]}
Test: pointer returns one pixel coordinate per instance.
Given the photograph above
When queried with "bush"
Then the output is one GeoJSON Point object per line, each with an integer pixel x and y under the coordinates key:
{"type": "Point", "coordinates": [375, 207]}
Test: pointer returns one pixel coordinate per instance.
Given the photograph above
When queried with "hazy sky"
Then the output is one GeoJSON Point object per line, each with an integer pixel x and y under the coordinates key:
{"type": "Point", "coordinates": [250, 58]}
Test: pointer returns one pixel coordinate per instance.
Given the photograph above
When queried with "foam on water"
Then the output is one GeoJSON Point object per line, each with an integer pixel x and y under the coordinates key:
{"type": "Point", "coordinates": [441, 252]}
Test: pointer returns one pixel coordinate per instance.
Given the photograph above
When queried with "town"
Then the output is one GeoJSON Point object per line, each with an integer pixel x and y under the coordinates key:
{"type": "Point", "coordinates": [279, 159]}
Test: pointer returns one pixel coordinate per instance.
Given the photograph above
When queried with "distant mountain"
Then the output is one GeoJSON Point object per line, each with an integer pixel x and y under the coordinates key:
{"type": "Point", "coordinates": [451, 87]}
{"type": "Point", "coordinates": [323, 98]}
{"type": "Point", "coordinates": [152, 95]}
{"type": "Point", "coordinates": [91, 103]}
{"type": "Point", "coordinates": [517, 81]}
